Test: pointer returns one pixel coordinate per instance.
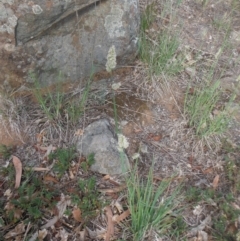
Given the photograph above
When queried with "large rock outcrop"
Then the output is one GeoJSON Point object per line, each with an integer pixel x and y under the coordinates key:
{"type": "Point", "coordinates": [63, 39]}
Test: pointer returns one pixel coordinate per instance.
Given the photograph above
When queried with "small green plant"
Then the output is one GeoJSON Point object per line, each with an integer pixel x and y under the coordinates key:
{"type": "Point", "coordinates": [200, 107]}
{"type": "Point", "coordinates": [63, 157]}
{"type": "Point", "coordinates": [147, 18]}
{"type": "Point", "coordinates": [55, 105]}
{"type": "Point", "coordinates": [178, 229]}
{"type": "Point", "coordinates": [9, 173]}
{"type": "Point", "coordinates": [5, 151]}
{"type": "Point", "coordinates": [195, 195]}
{"type": "Point", "coordinates": [233, 175]}
{"type": "Point", "coordinates": [88, 163]}
{"type": "Point", "coordinates": [75, 108]}
{"type": "Point", "coordinates": [32, 197]}
{"type": "Point", "coordinates": [150, 209]}
{"type": "Point", "coordinates": [227, 215]}
{"type": "Point", "coordinates": [225, 212]}
{"type": "Point", "coordinates": [160, 53]}
{"type": "Point", "coordinates": [88, 199]}
{"type": "Point", "coordinates": [51, 103]}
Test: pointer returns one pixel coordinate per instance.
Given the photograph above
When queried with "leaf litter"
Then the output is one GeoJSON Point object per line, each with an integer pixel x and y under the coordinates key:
{"type": "Point", "coordinates": [210, 171]}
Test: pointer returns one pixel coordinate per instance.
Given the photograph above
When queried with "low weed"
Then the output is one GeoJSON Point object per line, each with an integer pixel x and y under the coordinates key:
{"type": "Point", "coordinates": [201, 109]}
{"type": "Point", "coordinates": [221, 205]}
{"type": "Point", "coordinates": [5, 151]}
{"type": "Point", "coordinates": [178, 229]}
{"type": "Point", "coordinates": [88, 199]}
{"type": "Point", "coordinates": [29, 199]}
{"type": "Point", "coordinates": [63, 157]}
{"type": "Point", "coordinates": [75, 109]}
{"type": "Point", "coordinates": [195, 195]}
{"type": "Point", "coordinates": [160, 51]}
{"type": "Point", "coordinates": [55, 104]}
{"type": "Point", "coordinates": [89, 161]}
{"type": "Point", "coordinates": [150, 207]}
{"type": "Point", "coordinates": [8, 173]}
{"type": "Point", "coordinates": [51, 103]}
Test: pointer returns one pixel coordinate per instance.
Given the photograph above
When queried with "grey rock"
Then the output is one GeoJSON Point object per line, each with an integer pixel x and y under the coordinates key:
{"type": "Point", "coordinates": [71, 36]}
{"type": "Point", "coordinates": [99, 139]}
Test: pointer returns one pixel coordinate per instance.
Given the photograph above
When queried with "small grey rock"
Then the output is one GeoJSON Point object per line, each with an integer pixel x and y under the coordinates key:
{"type": "Point", "coordinates": [99, 139]}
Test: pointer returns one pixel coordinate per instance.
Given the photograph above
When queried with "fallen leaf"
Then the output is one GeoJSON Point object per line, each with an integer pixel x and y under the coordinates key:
{"type": "Point", "coordinates": [34, 237]}
{"type": "Point", "coordinates": [113, 190]}
{"type": "Point", "coordinates": [10, 208]}
{"type": "Point", "coordinates": [98, 233]}
{"type": "Point", "coordinates": [40, 137]}
{"type": "Point", "coordinates": [215, 182]}
{"type": "Point", "coordinates": [61, 207]}
{"type": "Point", "coordinates": [154, 137]}
{"type": "Point", "coordinates": [38, 169]}
{"type": "Point", "coordinates": [71, 175]}
{"type": "Point", "coordinates": [121, 217]}
{"type": "Point", "coordinates": [106, 177]}
{"type": "Point", "coordinates": [110, 224]}
{"type": "Point", "coordinates": [46, 148]}
{"type": "Point", "coordinates": [202, 236]}
{"type": "Point", "coordinates": [18, 168]}
{"type": "Point", "coordinates": [82, 235]}
{"type": "Point", "coordinates": [42, 234]}
{"type": "Point", "coordinates": [19, 229]}
{"type": "Point", "coordinates": [50, 223]}
{"type": "Point", "coordinates": [62, 204]}
{"type": "Point", "coordinates": [208, 170]}
{"type": "Point", "coordinates": [79, 132]}
{"type": "Point", "coordinates": [77, 215]}
{"type": "Point", "coordinates": [8, 193]}
{"type": "Point", "coordinates": [49, 178]}
{"type": "Point", "coordinates": [118, 206]}
{"type": "Point", "coordinates": [63, 235]}
{"type": "Point", "coordinates": [49, 149]}
{"type": "Point", "coordinates": [200, 227]}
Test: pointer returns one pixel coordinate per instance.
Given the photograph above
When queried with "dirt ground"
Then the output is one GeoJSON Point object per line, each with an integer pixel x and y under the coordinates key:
{"type": "Point", "coordinates": [151, 115]}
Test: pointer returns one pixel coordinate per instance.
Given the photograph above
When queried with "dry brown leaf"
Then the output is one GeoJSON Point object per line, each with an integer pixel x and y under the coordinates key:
{"type": "Point", "coordinates": [42, 234]}
{"type": "Point", "coordinates": [38, 169]}
{"type": "Point", "coordinates": [113, 190]}
{"type": "Point", "coordinates": [49, 178]}
{"type": "Point", "coordinates": [40, 137]}
{"type": "Point", "coordinates": [82, 235]}
{"type": "Point", "coordinates": [206, 222]}
{"type": "Point", "coordinates": [202, 236]}
{"type": "Point", "coordinates": [18, 168]}
{"type": "Point", "coordinates": [19, 229]}
{"type": "Point", "coordinates": [110, 224]}
{"type": "Point", "coordinates": [71, 175]}
{"type": "Point", "coordinates": [79, 132]}
{"type": "Point", "coordinates": [97, 233]}
{"type": "Point", "coordinates": [120, 218]}
{"type": "Point", "coordinates": [61, 207]}
{"type": "Point", "coordinates": [77, 214]}
{"type": "Point", "coordinates": [106, 177]}
{"type": "Point", "coordinates": [17, 213]}
{"type": "Point", "coordinates": [46, 148]}
{"type": "Point", "coordinates": [50, 223]}
{"type": "Point", "coordinates": [208, 170]}
{"type": "Point", "coordinates": [215, 182]}
{"type": "Point", "coordinates": [154, 137]}
{"type": "Point", "coordinates": [118, 206]}
{"type": "Point", "coordinates": [49, 149]}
